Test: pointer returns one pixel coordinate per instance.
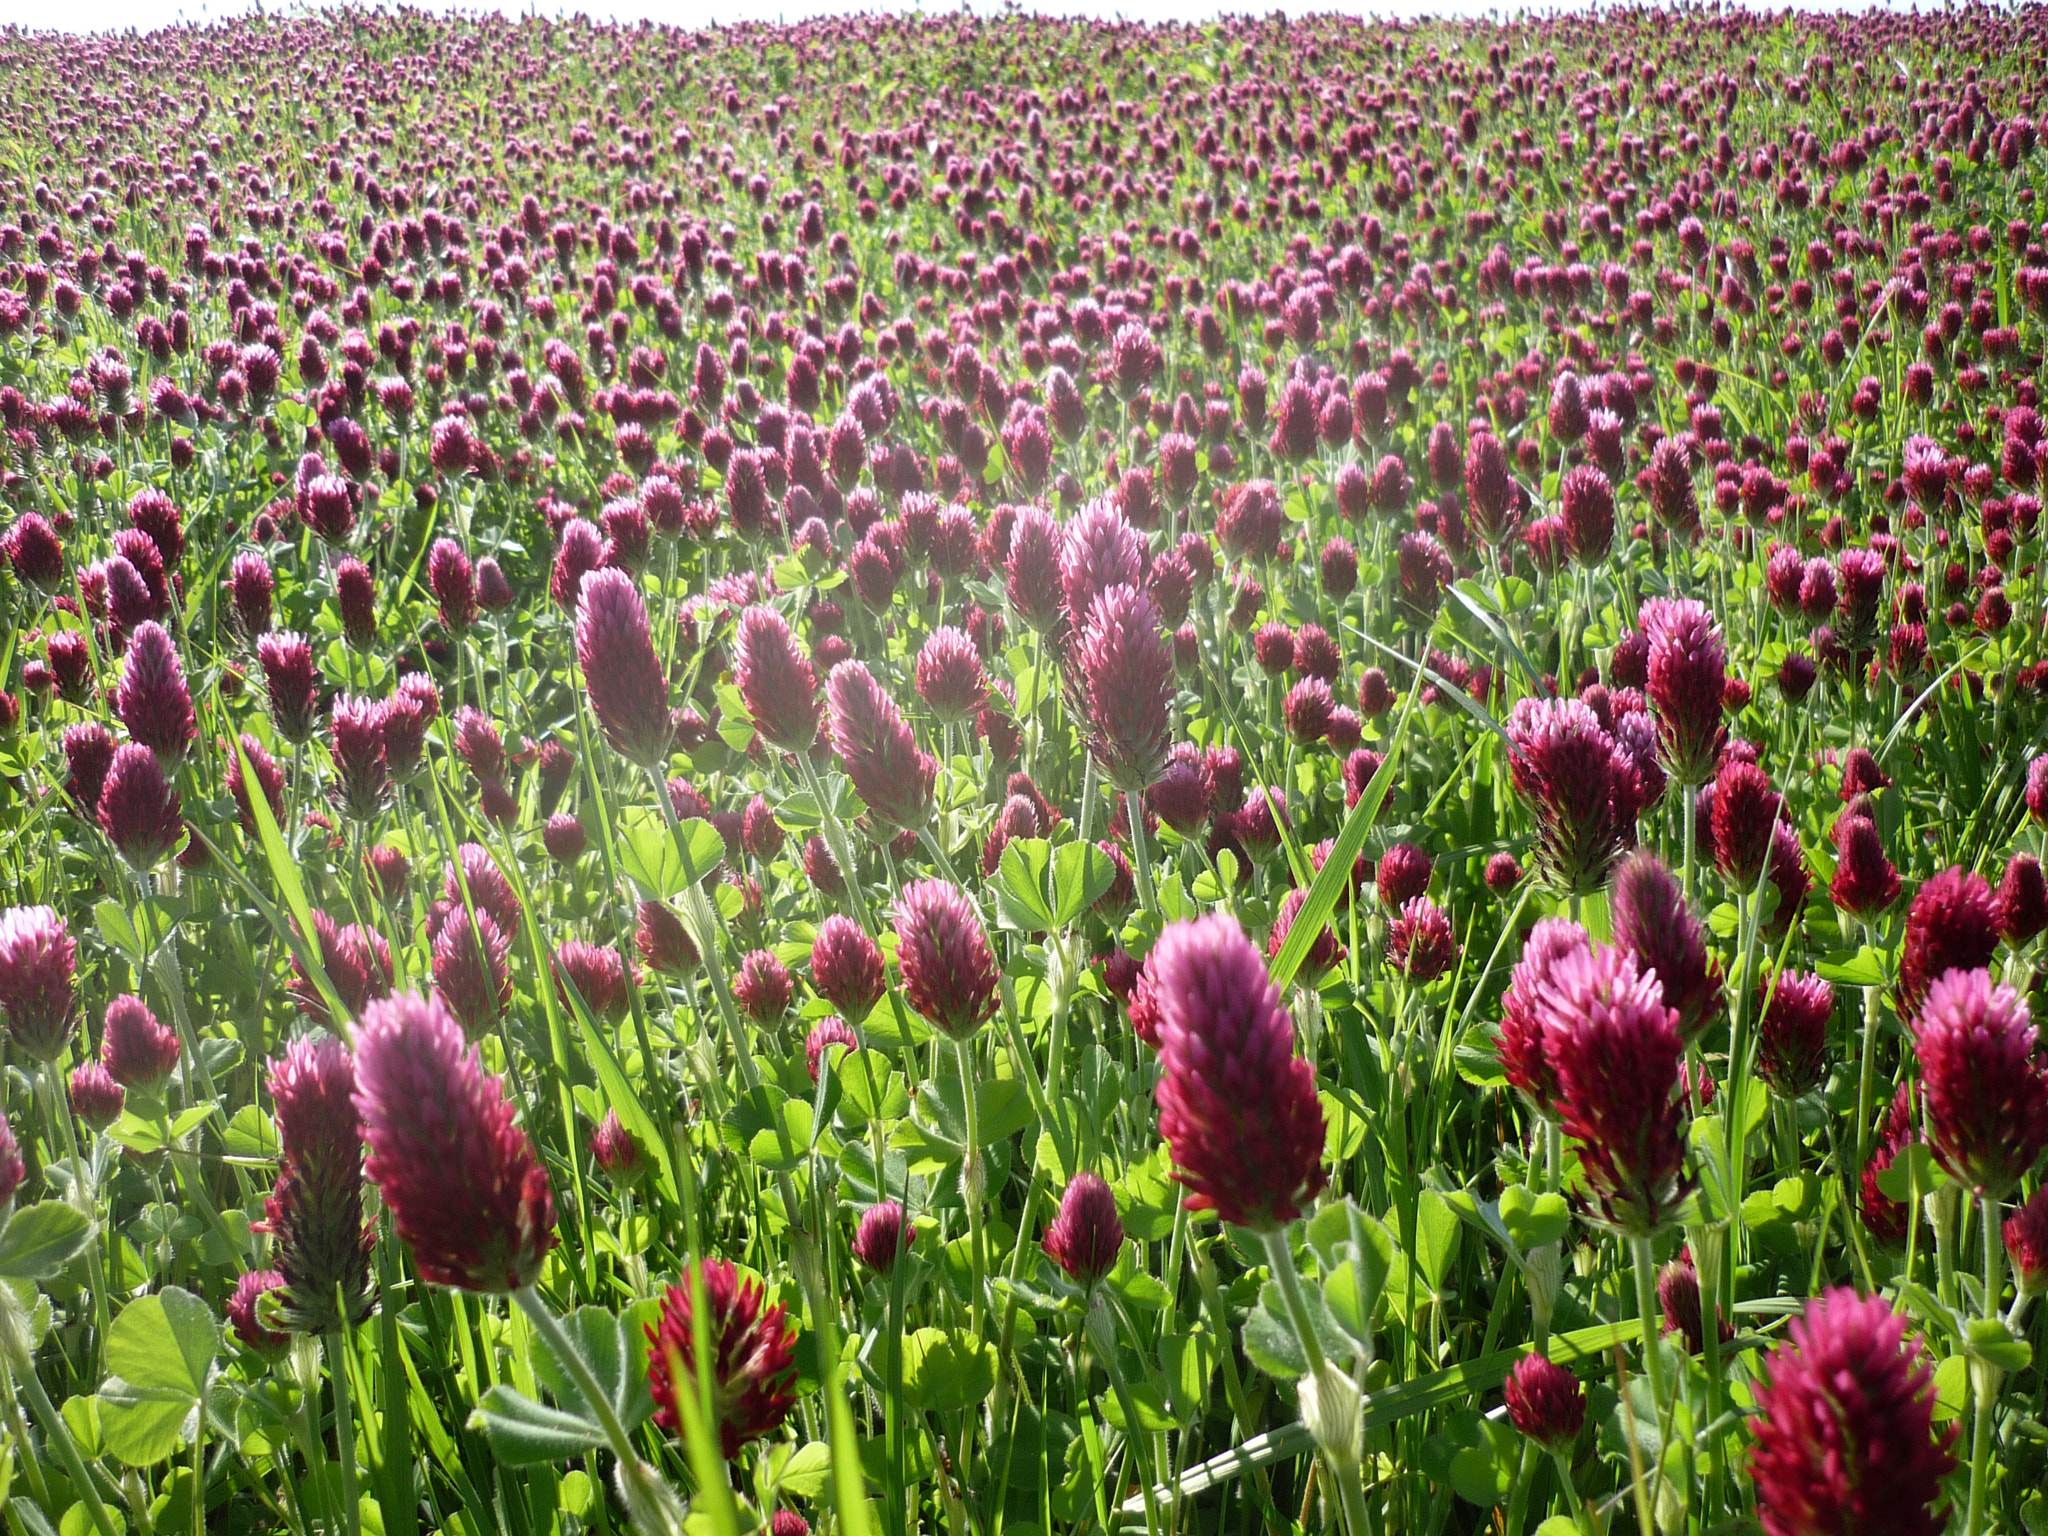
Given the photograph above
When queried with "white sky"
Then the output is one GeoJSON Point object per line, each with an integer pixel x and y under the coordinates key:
{"type": "Point", "coordinates": [104, 15]}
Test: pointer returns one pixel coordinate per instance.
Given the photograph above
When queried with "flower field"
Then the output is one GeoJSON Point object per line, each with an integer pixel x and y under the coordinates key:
{"type": "Point", "coordinates": [992, 775]}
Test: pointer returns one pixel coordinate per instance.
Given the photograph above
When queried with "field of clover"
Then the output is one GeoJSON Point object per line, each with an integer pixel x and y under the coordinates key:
{"type": "Point", "coordinates": [992, 776]}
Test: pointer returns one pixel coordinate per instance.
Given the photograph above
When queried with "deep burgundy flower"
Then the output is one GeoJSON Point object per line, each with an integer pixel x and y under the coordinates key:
{"type": "Point", "coordinates": [598, 975]}
{"type": "Point", "coordinates": [242, 1318]}
{"type": "Point", "coordinates": [139, 811]}
{"type": "Point", "coordinates": [315, 1213]}
{"type": "Point", "coordinates": [472, 975]}
{"type": "Point", "coordinates": [452, 580]}
{"type": "Point", "coordinates": [2037, 789]}
{"type": "Point", "coordinates": [1984, 1084]}
{"type": "Point", "coordinates": [362, 782]}
{"type": "Point", "coordinates": [776, 680]}
{"type": "Point", "coordinates": [892, 776]}
{"type": "Point", "coordinates": [1322, 954]}
{"type": "Point", "coordinates": [1652, 922]}
{"type": "Point", "coordinates": [883, 1237]}
{"type": "Point", "coordinates": [1087, 1236]}
{"type": "Point", "coordinates": [1586, 502]}
{"type": "Point", "coordinates": [137, 1051]}
{"type": "Point", "coordinates": [617, 1155]}
{"type": "Point", "coordinates": [949, 674]}
{"type": "Point", "coordinates": [95, 1097]}
{"type": "Point", "coordinates": [1844, 1437]}
{"type": "Point", "coordinates": [753, 1355]}
{"type": "Point", "coordinates": [1745, 809]}
{"type": "Point", "coordinates": [1546, 1403]}
{"type": "Point", "coordinates": [390, 873]}
{"type": "Point", "coordinates": [846, 966]}
{"type": "Point", "coordinates": [1678, 1294]}
{"type": "Point", "coordinates": [1687, 674]}
{"type": "Point", "coordinates": [563, 837]}
{"type": "Point", "coordinates": [1865, 883]}
{"type": "Point", "coordinates": [38, 972]}
{"type": "Point", "coordinates": [1403, 874]}
{"type": "Point", "coordinates": [1503, 872]}
{"type": "Point", "coordinates": [1420, 942]}
{"type": "Point", "coordinates": [2022, 900]}
{"type": "Point", "coordinates": [664, 945]}
{"type": "Point", "coordinates": [1489, 489]}
{"type": "Point", "coordinates": [1952, 925]}
{"type": "Point", "coordinates": [1126, 667]}
{"type": "Point", "coordinates": [1032, 568]}
{"type": "Point", "coordinates": [1236, 1105]}
{"type": "Point", "coordinates": [762, 987]}
{"type": "Point", "coordinates": [827, 1032]}
{"type": "Point", "coordinates": [1615, 1048]}
{"type": "Point", "coordinates": [355, 593]}
{"type": "Point", "coordinates": [153, 701]}
{"type": "Point", "coordinates": [1582, 790]}
{"type": "Point", "coordinates": [628, 690]}
{"type": "Point", "coordinates": [1180, 796]}
{"type": "Point", "coordinates": [88, 754]}
{"type": "Point", "coordinates": [1792, 1036]}
{"type": "Point", "coordinates": [1524, 1059]}
{"type": "Point", "coordinates": [34, 550]}
{"type": "Point", "coordinates": [949, 974]}
{"type": "Point", "coordinates": [1424, 571]}
{"type": "Point", "coordinates": [462, 1182]}
{"type": "Point", "coordinates": [291, 679]}
{"type": "Point", "coordinates": [269, 778]}
{"type": "Point", "coordinates": [488, 889]}
{"type": "Point", "coordinates": [357, 961]}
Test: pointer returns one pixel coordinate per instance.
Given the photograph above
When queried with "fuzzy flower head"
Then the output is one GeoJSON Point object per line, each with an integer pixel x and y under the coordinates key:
{"type": "Point", "coordinates": [1745, 809]}
{"type": "Point", "coordinates": [1865, 883]}
{"type": "Point", "coordinates": [12, 1169]}
{"type": "Point", "coordinates": [1652, 922]}
{"type": "Point", "coordinates": [315, 1213]}
{"type": "Point", "coordinates": [616, 1153]}
{"type": "Point", "coordinates": [846, 966]}
{"type": "Point", "coordinates": [1615, 1048]}
{"type": "Point", "coordinates": [138, 810]}
{"type": "Point", "coordinates": [663, 943]}
{"type": "Point", "coordinates": [1792, 1038]}
{"type": "Point", "coordinates": [753, 1355]}
{"type": "Point", "coordinates": [628, 690]}
{"type": "Point", "coordinates": [1688, 671]}
{"type": "Point", "coordinates": [153, 700]}
{"type": "Point", "coordinates": [1524, 1060]}
{"type": "Point", "coordinates": [1582, 790]}
{"type": "Point", "coordinates": [461, 1179]}
{"type": "Point", "coordinates": [1323, 953]}
{"type": "Point", "coordinates": [38, 972]}
{"type": "Point", "coordinates": [2026, 1244]}
{"type": "Point", "coordinates": [776, 680]}
{"type": "Point", "coordinates": [1985, 1084]}
{"type": "Point", "coordinates": [1126, 670]}
{"type": "Point", "coordinates": [137, 1051]}
{"type": "Point", "coordinates": [1952, 925]}
{"type": "Point", "coordinates": [1236, 1105]}
{"type": "Point", "coordinates": [242, 1317]}
{"type": "Point", "coordinates": [471, 970]}
{"type": "Point", "coordinates": [883, 1237]}
{"type": "Point", "coordinates": [95, 1097]}
{"type": "Point", "coordinates": [892, 776]}
{"type": "Point", "coordinates": [1087, 1235]}
{"type": "Point", "coordinates": [949, 974]}
{"type": "Point", "coordinates": [950, 679]}
{"type": "Point", "coordinates": [1420, 942]}
{"type": "Point", "coordinates": [1546, 1402]}
{"type": "Point", "coordinates": [1844, 1437]}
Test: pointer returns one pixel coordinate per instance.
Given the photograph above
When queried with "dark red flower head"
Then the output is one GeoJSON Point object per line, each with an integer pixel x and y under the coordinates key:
{"type": "Point", "coordinates": [1180, 796]}
{"type": "Point", "coordinates": [1952, 925]}
{"type": "Point", "coordinates": [1546, 1403]}
{"type": "Point", "coordinates": [38, 971]}
{"type": "Point", "coordinates": [315, 1213]}
{"type": "Point", "coordinates": [753, 1355]}
{"type": "Point", "coordinates": [1236, 1105]}
{"type": "Point", "coordinates": [889, 772]}
{"type": "Point", "coordinates": [1586, 502]}
{"type": "Point", "coordinates": [1745, 809]}
{"type": "Point", "coordinates": [292, 682]}
{"type": "Point", "coordinates": [2022, 900]}
{"type": "Point", "coordinates": [1581, 787]}
{"type": "Point", "coordinates": [776, 680]}
{"type": "Point", "coordinates": [1687, 673]}
{"type": "Point", "coordinates": [846, 966]}
{"type": "Point", "coordinates": [949, 974]}
{"type": "Point", "coordinates": [138, 1052]}
{"type": "Point", "coordinates": [950, 678]}
{"type": "Point", "coordinates": [616, 1153]}
{"type": "Point", "coordinates": [627, 687]}
{"type": "Point", "coordinates": [826, 1033]}
{"type": "Point", "coordinates": [1615, 1048]}
{"type": "Point", "coordinates": [241, 1313]}
{"type": "Point", "coordinates": [1126, 669]}
{"type": "Point", "coordinates": [95, 1097]}
{"type": "Point", "coordinates": [1678, 1294]}
{"type": "Point", "coordinates": [598, 975]}
{"type": "Point", "coordinates": [1865, 883]}
{"type": "Point", "coordinates": [139, 811]}
{"type": "Point", "coordinates": [664, 944]}
{"type": "Point", "coordinates": [153, 701]}
{"type": "Point", "coordinates": [2026, 1244]}
{"type": "Point", "coordinates": [1322, 954]}
{"type": "Point", "coordinates": [1087, 1235]}
{"type": "Point", "coordinates": [1844, 1437]}
{"type": "Point", "coordinates": [1524, 1058]}
{"type": "Point", "coordinates": [1652, 922]}
{"type": "Point", "coordinates": [472, 975]}
{"type": "Point", "coordinates": [1403, 874]}
{"type": "Point", "coordinates": [1984, 1083]}
{"type": "Point", "coordinates": [12, 1169]}
{"type": "Point", "coordinates": [1792, 1037]}
{"type": "Point", "coordinates": [1420, 942]}
{"type": "Point", "coordinates": [461, 1180]}
{"type": "Point", "coordinates": [883, 1237]}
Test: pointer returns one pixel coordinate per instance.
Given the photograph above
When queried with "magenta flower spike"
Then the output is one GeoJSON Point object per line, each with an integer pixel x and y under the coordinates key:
{"type": "Point", "coordinates": [621, 674]}
{"type": "Point", "coordinates": [315, 1213]}
{"type": "Point", "coordinates": [949, 974]}
{"type": "Point", "coordinates": [38, 988]}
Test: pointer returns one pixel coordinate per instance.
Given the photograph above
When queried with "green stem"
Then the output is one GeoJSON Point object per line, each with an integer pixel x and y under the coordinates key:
{"type": "Point", "coordinates": [1983, 1377]}
{"type": "Point", "coordinates": [1134, 810]}
{"type": "Point", "coordinates": [835, 839]}
{"type": "Point", "coordinates": [1651, 1317]}
{"type": "Point", "coordinates": [971, 1179]}
{"type": "Point", "coordinates": [58, 1434]}
{"type": "Point", "coordinates": [344, 1431]}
